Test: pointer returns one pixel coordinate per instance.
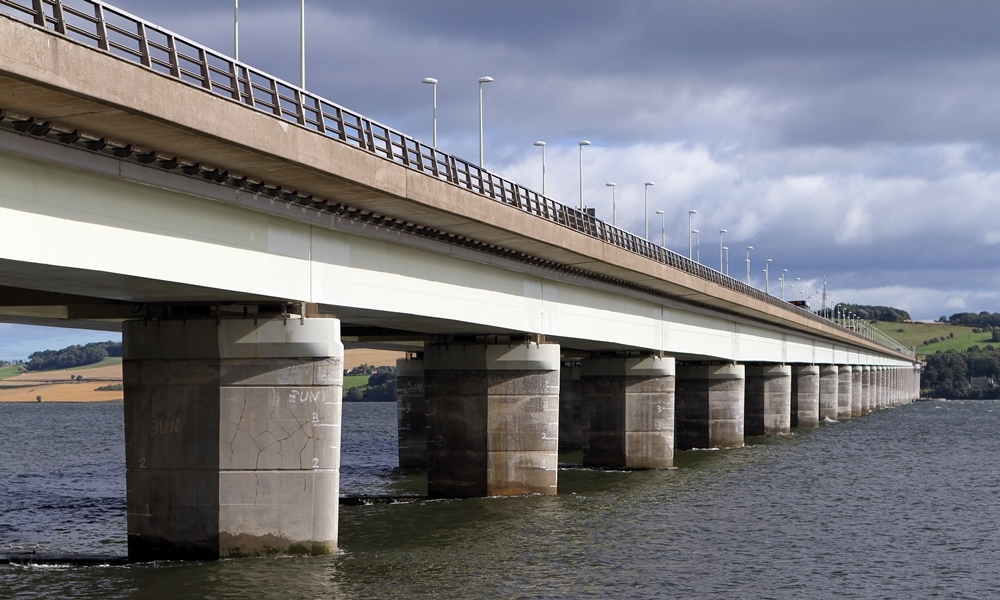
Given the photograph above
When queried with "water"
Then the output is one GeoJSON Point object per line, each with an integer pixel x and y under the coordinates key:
{"type": "Point", "coordinates": [898, 504]}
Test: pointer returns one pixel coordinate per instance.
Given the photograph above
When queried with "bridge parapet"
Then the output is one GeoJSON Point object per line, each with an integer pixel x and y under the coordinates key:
{"type": "Point", "coordinates": [133, 39]}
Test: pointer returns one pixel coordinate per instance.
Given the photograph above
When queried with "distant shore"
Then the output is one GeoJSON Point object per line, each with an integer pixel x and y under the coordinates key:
{"type": "Point", "coordinates": [57, 386]}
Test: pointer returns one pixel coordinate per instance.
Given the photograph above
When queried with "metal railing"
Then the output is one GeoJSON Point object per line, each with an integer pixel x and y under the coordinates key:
{"type": "Point", "coordinates": [126, 36]}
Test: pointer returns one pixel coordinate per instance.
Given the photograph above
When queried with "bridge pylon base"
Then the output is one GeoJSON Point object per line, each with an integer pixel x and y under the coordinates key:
{"type": "Point", "coordinates": [628, 408]}
{"type": "Point", "coordinates": [829, 382]}
{"type": "Point", "coordinates": [805, 396]}
{"type": "Point", "coordinates": [492, 418]}
{"type": "Point", "coordinates": [232, 432]}
{"type": "Point", "coordinates": [709, 407]}
{"type": "Point", "coordinates": [411, 413]}
{"type": "Point", "coordinates": [768, 399]}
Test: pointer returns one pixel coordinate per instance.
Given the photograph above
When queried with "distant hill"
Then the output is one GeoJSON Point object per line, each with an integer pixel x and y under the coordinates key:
{"type": "Point", "coordinates": [73, 356]}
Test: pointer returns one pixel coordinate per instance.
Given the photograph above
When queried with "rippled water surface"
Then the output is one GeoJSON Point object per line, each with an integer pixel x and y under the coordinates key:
{"type": "Point", "coordinates": [899, 504]}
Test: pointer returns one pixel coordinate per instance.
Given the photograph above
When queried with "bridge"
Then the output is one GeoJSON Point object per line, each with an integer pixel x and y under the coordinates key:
{"type": "Point", "coordinates": [240, 232]}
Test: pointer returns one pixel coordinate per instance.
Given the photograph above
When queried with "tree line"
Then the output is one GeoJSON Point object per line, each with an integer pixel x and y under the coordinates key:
{"type": "Point", "coordinates": [949, 374]}
{"type": "Point", "coordinates": [381, 387]}
{"type": "Point", "coordinates": [867, 312]}
{"type": "Point", "coordinates": [73, 356]}
{"type": "Point", "coordinates": [983, 320]}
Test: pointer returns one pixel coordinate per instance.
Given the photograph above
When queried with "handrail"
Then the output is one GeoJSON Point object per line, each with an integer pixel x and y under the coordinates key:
{"type": "Point", "coordinates": [126, 36]}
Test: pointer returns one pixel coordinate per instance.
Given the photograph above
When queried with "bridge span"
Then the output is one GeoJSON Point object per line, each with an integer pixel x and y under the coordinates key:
{"type": "Point", "coordinates": [240, 232]}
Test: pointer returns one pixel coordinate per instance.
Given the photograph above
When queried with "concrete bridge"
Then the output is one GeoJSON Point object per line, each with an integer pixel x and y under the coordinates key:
{"type": "Point", "coordinates": [240, 232]}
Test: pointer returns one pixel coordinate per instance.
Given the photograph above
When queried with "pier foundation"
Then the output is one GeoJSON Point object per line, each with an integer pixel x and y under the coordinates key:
{"type": "Point", "coordinates": [805, 396]}
{"type": "Point", "coordinates": [628, 407]}
{"type": "Point", "coordinates": [570, 409]}
{"type": "Point", "coordinates": [768, 399]}
{"type": "Point", "coordinates": [828, 388]}
{"type": "Point", "coordinates": [856, 391]}
{"type": "Point", "coordinates": [232, 437]}
{"type": "Point", "coordinates": [492, 419]}
{"type": "Point", "coordinates": [845, 376]}
{"type": "Point", "coordinates": [411, 413]}
{"type": "Point", "coordinates": [709, 406]}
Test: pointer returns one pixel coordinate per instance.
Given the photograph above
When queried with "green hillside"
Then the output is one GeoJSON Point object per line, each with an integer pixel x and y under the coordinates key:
{"type": "Point", "coordinates": [915, 334]}
{"type": "Point", "coordinates": [9, 371]}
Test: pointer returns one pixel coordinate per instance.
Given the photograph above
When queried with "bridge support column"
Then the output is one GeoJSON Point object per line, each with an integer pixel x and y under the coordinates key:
{"type": "Point", "coordinates": [628, 403]}
{"type": "Point", "coordinates": [828, 388]}
{"type": "Point", "coordinates": [411, 413]}
{"type": "Point", "coordinates": [570, 410]}
{"type": "Point", "coordinates": [880, 388]}
{"type": "Point", "coordinates": [856, 391]}
{"type": "Point", "coordinates": [709, 408]}
{"type": "Point", "coordinates": [805, 396]}
{"type": "Point", "coordinates": [768, 399]}
{"type": "Point", "coordinates": [866, 389]}
{"type": "Point", "coordinates": [232, 437]}
{"type": "Point", "coordinates": [492, 419]}
{"type": "Point", "coordinates": [845, 376]}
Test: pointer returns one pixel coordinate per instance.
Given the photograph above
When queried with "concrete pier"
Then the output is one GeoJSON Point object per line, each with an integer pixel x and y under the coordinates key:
{"type": "Point", "coordinates": [845, 376]}
{"type": "Point", "coordinates": [856, 391]}
{"type": "Point", "coordinates": [880, 375]}
{"type": "Point", "coordinates": [709, 407]}
{"type": "Point", "coordinates": [866, 390]}
{"type": "Point", "coordinates": [570, 409]}
{"type": "Point", "coordinates": [492, 419]}
{"type": "Point", "coordinates": [768, 403]}
{"type": "Point", "coordinates": [232, 437]}
{"type": "Point", "coordinates": [628, 407]}
{"type": "Point", "coordinates": [829, 382]}
{"type": "Point", "coordinates": [805, 396]}
{"type": "Point", "coordinates": [411, 414]}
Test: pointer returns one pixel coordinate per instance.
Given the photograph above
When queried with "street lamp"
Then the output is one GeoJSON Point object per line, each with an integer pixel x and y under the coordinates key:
{"type": "Point", "coordinates": [783, 271]}
{"type": "Point", "coordinates": [767, 284]}
{"type": "Point", "coordinates": [645, 210]}
{"type": "Point", "coordinates": [697, 245]}
{"type": "Point", "coordinates": [482, 80]}
{"type": "Point", "coordinates": [749, 248]}
{"type": "Point", "coordinates": [721, 231]}
{"type": "Point", "coordinates": [795, 288]}
{"type": "Point", "coordinates": [434, 86]}
{"type": "Point", "coordinates": [614, 207]}
{"type": "Point", "coordinates": [691, 214]}
{"type": "Point", "coordinates": [725, 249]}
{"type": "Point", "coordinates": [302, 40]}
{"type": "Point", "coordinates": [541, 145]}
{"type": "Point", "coordinates": [663, 229]}
{"type": "Point", "coordinates": [582, 144]}
{"type": "Point", "coordinates": [236, 29]}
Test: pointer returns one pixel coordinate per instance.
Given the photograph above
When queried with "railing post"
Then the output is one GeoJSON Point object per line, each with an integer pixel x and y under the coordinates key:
{"type": "Point", "coordinates": [60, 18]}
{"type": "Point", "coordinates": [143, 45]}
{"type": "Point", "coordinates": [38, 7]}
{"type": "Point", "coordinates": [102, 28]}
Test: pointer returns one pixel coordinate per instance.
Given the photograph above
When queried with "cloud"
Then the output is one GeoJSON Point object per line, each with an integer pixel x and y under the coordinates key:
{"type": "Point", "coordinates": [19, 341]}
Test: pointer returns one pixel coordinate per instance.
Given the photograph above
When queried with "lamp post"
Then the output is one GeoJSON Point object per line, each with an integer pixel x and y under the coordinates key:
{"type": "Point", "coordinates": [783, 271]}
{"type": "Point", "coordinates": [697, 245]}
{"type": "Point", "coordinates": [795, 288]}
{"type": "Point", "coordinates": [767, 284]}
{"type": "Point", "coordinates": [302, 40]}
{"type": "Point", "coordinates": [749, 248]}
{"type": "Point", "coordinates": [721, 231]}
{"type": "Point", "coordinates": [691, 214]}
{"type": "Point", "coordinates": [614, 207]}
{"type": "Point", "coordinates": [645, 210]}
{"type": "Point", "coordinates": [236, 29]}
{"type": "Point", "coordinates": [541, 145]}
{"type": "Point", "coordinates": [482, 80]}
{"type": "Point", "coordinates": [805, 294]}
{"type": "Point", "coordinates": [582, 144]}
{"type": "Point", "coordinates": [725, 249]}
{"type": "Point", "coordinates": [663, 229]}
{"type": "Point", "coordinates": [434, 109]}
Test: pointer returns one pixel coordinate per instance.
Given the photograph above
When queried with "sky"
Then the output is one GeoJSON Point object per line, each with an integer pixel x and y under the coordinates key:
{"type": "Point", "coordinates": [855, 140]}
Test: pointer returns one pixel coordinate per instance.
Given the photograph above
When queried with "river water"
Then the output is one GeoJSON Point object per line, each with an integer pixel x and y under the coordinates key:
{"type": "Point", "coordinates": [904, 503]}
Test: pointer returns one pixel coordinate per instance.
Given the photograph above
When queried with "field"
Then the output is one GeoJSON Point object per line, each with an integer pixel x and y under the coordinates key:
{"type": "Point", "coordinates": [55, 386]}
{"type": "Point", "coordinates": [915, 334]}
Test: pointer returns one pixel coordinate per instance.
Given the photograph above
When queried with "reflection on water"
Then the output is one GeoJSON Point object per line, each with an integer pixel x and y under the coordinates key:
{"type": "Point", "coordinates": [898, 504]}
